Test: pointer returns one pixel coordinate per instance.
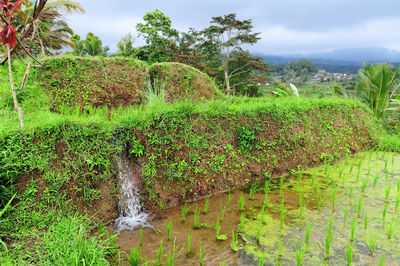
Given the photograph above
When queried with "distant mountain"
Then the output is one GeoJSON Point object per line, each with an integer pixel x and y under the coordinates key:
{"type": "Point", "coordinates": [343, 60]}
{"type": "Point", "coordinates": [371, 55]}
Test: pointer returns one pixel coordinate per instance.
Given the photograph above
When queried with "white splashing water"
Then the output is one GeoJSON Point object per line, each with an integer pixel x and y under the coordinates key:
{"type": "Point", "coordinates": [130, 209]}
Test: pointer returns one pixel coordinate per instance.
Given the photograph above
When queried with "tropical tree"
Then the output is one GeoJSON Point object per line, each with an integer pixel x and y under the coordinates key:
{"type": "Point", "coordinates": [246, 73]}
{"type": "Point", "coordinates": [91, 46]}
{"type": "Point", "coordinates": [228, 34]}
{"type": "Point", "coordinates": [159, 35]}
{"type": "Point", "coordinates": [125, 46]}
{"type": "Point", "coordinates": [377, 86]}
{"type": "Point", "coordinates": [192, 49]}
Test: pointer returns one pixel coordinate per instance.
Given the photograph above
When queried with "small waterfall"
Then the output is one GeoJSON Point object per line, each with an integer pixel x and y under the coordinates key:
{"type": "Point", "coordinates": [130, 213]}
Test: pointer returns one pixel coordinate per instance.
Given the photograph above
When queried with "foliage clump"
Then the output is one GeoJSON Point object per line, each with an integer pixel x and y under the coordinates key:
{"type": "Point", "coordinates": [183, 82]}
{"type": "Point", "coordinates": [80, 81]}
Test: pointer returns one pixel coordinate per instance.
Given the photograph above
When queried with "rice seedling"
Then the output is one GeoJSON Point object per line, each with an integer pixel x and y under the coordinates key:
{"type": "Point", "coordinates": [171, 256]}
{"type": "Point", "coordinates": [266, 190]}
{"type": "Point", "coordinates": [351, 191]}
{"type": "Point", "coordinates": [134, 256]}
{"type": "Point", "coordinates": [330, 223]}
{"type": "Point", "coordinates": [229, 198]}
{"type": "Point", "coordinates": [189, 253]}
{"type": "Point", "coordinates": [382, 261]}
{"type": "Point", "coordinates": [300, 252]}
{"type": "Point", "coordinates": [201, 254]}
{"type": "Point", "coordinates": [376, 178]}
{"type": "Point", "coordinates": [234, 244]}
{"type": "Point", "coordinates": [353, 229]}
{"type": "Point", "coordinates": [241, 224]}
{"type": "Point", "coordinates": [140, 236]}
{"type": "Point", "coordinates": [372, 244]}
{"type": "Point", "coordinates": [301, 206]}
{"type": "Point", "coordinates": [253, 190]}
{"type": "Point", "coordinates": [282, 213]}
{"type": "Point", "coordinates": [258, 233]}
{"type": "Point", "coordinates": [320, 203]}
{"type": "Point", "coordinates": [160, 252]}
{"type": "Point", "coordinates": [397, 202]}
{"type": "Point", "coordinates": [261, 260]}
{"type": "Point", "coordinates": [345, 212]}
{"type": "Point", "coordinates": [384, 211]}
{"type": "Point", "coordinates": [389, 230]}
{"type": "Point", "coordinates": [328, 177]}
{"type": "Point", "coordinates": [328, 243]}
{"type": "Point", "coordinates": [398, 186]}
{"type": "Point", "coordinates": [359, 207]}
{"type": "Point", "coordinates": [299, 177]}
{"type": "Point", "coordinates": [349, 253]}
{"type": "Point", "coordinates": [217, 231]}
{"type": "Point", "coordinates": [386, 163]}
{"type": "Point", "coordinates": [169, 229]}
{"type": "Point", "coordinates": [196, 215]}
{"type": "Point", "coordinates": [370, 155]}
{"type": "Point", "coordinates": [387, 192]}
{"type": "Point", "coordinates": [222, 209]}
{"type": "Point", "coordinates": [365, 221]}
{"type": "Point", "coordinates": [206, 205]}
{"type": "Point", "coordinates": [314, 177]}
{"type": "Point", "coordinates": [241, 202]}
{"type": "Point", "coordinates": [326, 168]}
{"type": "Point", "coordinates": [262, 213]}
{"type": "Point", "coordinates": [364, 184]}
{"type": "Point", "coordinates": [334, 192]}
{"type": "Point", "coordinates": [184, 211]}
{"type": "Point", "coordinates": [308, 233]}
{"type": "Point", "coordinates": [351, 168]}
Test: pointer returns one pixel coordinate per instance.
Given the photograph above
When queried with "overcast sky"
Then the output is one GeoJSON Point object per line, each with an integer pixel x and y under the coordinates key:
{"type": "Point", "coordinates": [286, 26]}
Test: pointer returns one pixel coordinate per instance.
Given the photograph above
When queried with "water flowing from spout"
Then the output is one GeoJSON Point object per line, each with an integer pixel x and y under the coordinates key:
{"type": "Point", "coordinates": [130, 209]}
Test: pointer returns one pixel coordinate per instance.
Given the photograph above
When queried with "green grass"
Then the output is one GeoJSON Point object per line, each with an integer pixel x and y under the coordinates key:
{"type": "Point", "coordinates": [67, 241]}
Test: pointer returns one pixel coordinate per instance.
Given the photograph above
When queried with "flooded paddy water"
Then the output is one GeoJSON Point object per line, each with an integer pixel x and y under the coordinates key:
{"type": "Point", "coordinates": [338, 214]}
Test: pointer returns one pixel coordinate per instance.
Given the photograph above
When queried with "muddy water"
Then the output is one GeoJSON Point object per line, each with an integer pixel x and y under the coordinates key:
{"type": "Point", "coordinates": [359, 193]}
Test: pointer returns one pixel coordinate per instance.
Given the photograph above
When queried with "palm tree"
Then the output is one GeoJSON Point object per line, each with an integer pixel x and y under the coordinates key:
{"type": "Point", "coordinates": [377, 86]}
{"type": "Point", "coordinates": [50, 30]}
{"type": "Point", "coordinates": [47, 30]}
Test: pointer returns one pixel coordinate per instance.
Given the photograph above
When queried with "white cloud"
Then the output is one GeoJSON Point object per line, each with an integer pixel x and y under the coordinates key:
{"type": "Point", "coordinates": [100, 25]}
{"type": "Point", "coordinates": [280, 39]}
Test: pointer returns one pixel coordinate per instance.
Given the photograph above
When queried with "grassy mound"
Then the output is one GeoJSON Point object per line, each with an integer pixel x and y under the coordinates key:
{"type": "Point", "coordinates": [87, 81]}
{"type": "Point", "coordinates": [184, 82]}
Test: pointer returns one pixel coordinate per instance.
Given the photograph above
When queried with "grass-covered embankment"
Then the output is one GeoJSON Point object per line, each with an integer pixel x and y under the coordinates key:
{"type": "Point", "coordinates": [184, 150]}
